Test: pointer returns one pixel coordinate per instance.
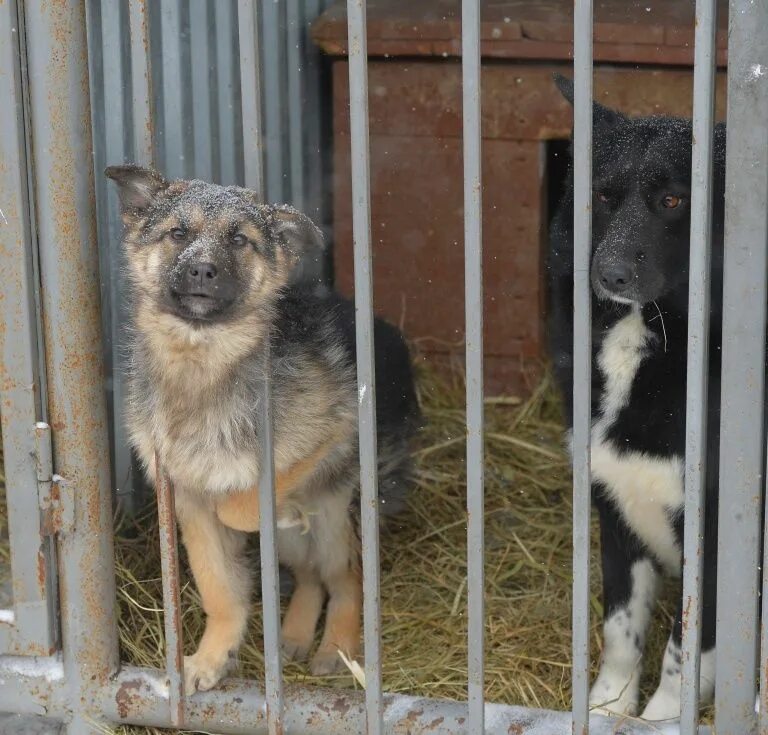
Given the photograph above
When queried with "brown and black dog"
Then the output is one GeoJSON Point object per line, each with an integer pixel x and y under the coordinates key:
{"type": "Point", "coordinates": [208, 270]}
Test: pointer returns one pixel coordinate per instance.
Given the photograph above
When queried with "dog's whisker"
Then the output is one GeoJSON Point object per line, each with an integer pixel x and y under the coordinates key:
{"type": "Point", "coordinates": [663, 328]}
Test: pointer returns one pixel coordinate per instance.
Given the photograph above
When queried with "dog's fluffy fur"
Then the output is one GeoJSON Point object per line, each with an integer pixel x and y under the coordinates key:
{"type": "Point", "coordinates": [639, 275]}
{"type": "Point", "coordinates": [208, 269]}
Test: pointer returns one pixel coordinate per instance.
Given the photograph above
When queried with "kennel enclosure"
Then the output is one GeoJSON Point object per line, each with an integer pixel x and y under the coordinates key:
{"type": "Point", "coordinates": [58, 641]}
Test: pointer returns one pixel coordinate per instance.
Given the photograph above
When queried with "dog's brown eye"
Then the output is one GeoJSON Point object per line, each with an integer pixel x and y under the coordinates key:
{"type": "Point", "coordinates": [671, 201]}
{"type": "Point", "coordinates": [603, 197]}
{"type": "Point", "coordinates": [239, 239]}
{"type": "Point", "coordinates": [178, 234]}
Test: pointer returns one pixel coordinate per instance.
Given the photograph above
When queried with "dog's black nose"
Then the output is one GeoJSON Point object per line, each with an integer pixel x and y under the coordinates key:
{"type": "Point", "coordinates": [201, 275]}
{"type": "Point", "coordinates": [616, 277]}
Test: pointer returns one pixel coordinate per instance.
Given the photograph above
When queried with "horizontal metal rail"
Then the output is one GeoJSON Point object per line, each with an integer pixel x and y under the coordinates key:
{"type": "Point", "coordinates": [138, 696]}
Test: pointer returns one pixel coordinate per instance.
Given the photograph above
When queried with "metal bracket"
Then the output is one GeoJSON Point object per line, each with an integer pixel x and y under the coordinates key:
{"type": "Point", "coordinates": [56, 500]}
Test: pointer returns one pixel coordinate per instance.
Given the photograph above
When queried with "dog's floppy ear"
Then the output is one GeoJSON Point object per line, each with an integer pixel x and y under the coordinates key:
{"type": "Point", "coordinates": [601, 116]}
{"type": "Point", "coordinates": [137, 188]}
{"type": "Point", "coordinates": [300, 233]}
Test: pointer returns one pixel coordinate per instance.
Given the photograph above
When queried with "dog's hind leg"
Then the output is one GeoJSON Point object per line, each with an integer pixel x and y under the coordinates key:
{"type": "Point", "coordinates": [629, 593]}
{"type": "Point", "coordinates": [223, 579]}
{"type": "Point", "coordinates": [300, 620]}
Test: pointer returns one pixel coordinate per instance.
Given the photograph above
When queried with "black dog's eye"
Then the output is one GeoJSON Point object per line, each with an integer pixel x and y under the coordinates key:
{"type": "Point", "coordinates": [671, 201]}
{"type": "Point", "coordinates": [178, 234]}
{"type": "Point", "coordinates": [239, 239]}
{"type": "Point", "coordinates": [603, 197]}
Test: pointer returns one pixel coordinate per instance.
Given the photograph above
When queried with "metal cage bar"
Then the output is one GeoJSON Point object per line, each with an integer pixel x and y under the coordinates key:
{"type": "Point", "coordinates": [141, 83]}
{"type": "Point", "coordinates": [743, 367]}
{"type": "Point", "coordinates": [582, 353]}
{"type": "Point", "coordinates": [698, 356]}
{"type": "Point", "coordinates": [201, 39]}
{"type": "Point", "coordinates": [63, 189]}
{"type": "Point", "coordinates": [366, 374]}
{"type": "Point", "coordinates": [473, 303]}
{"type": "Point", "coordinates": [250, 86]}
{"type": "Point", "coordinates": [30, 626]}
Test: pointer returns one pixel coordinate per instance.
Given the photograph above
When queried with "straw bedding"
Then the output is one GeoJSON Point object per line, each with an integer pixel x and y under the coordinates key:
{"type": "Point", "coordinates": [527, 565]}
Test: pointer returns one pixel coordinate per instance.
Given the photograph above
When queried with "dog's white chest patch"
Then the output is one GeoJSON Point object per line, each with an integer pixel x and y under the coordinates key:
{"type": "Point", "coordinates": [648, 490]}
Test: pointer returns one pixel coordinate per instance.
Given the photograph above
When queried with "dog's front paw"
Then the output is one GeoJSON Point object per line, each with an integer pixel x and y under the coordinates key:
{"type": "Point", "coordinates": [203, 671]}
{"type": "Point", "coordinates": [664, 705]}
{"type": "Point", "coordinates": [614, 695]}
{"type": "Point", "coordinates": [326, 662]}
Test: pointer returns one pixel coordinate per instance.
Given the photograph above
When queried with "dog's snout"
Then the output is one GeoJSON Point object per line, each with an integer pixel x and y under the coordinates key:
{"type": "Point", "coordinates": [616, 277]}
{"type": "Point", "coordinates": [201, 273]}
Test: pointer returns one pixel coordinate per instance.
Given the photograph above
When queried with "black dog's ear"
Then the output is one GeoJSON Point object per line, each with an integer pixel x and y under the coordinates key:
{"type": "Point", "coordinates": [601, 116]}
{"type": "Point", "coordinates": [137, 187]}
{"type": "Point", "coordinates": [301, 234]}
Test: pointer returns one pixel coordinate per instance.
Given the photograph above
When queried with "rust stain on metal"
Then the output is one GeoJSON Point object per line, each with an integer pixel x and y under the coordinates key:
{"type": "Point", "coordinates": [127, 695]}
{"type": "Point", "coordinates": [515, 729]}
{"type": "Point", "coordinates": [438, 721]}
{"type": "Point", "coordinates": [341, 705]}
{"type": "Point", "coordinates": [41, 570]}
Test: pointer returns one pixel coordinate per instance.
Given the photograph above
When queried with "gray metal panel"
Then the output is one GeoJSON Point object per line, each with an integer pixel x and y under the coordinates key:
{"type": "Point", "coordinates": [473, 305]}
{"type": "Point", "coordinates": [250, 90]}
{"type": "Point", "coordinates": [63, 165]}
{"type": "Point", "coordinates": [34, 628]}
{"type": "Point", "coordinates": [200, 38]}
{"type": "Point", "coordinates": [742, 445]}
{"type": "Point", "coordinates": [273, 63]}
{"type": "Point", "coordinates": [227, 131]}
{"type": "Point", "coordinates": [294, 42]}
{"type": "Point", "coordinates": [698, 356]}
{"type": "Point", "coordinates": [366, 372]}
{"type": "Point", "coordinates": [582, 353]}
{"type": "Point", "coordinates": [141, 85]}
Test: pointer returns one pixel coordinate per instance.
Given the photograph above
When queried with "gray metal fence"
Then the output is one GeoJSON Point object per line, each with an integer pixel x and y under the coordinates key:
{"type": "Point", "coordinates": [59, 652]}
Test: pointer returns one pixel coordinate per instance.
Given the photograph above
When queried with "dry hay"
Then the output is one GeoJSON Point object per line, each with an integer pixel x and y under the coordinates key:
{"type": "Point", "coordinates": [527, 564]}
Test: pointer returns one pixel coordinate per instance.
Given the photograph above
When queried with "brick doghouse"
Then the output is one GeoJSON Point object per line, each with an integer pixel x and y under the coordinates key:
{"type": "Point", "coordinates": [643, 56]}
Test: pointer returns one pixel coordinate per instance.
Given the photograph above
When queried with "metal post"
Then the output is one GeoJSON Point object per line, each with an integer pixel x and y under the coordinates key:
{"type": "Point", "coordinates": [743, 367]}
{"type": "Point", "coordinates": [473, 305]}
{"type": "Point", "coordinates": [61, 155]}
{"type": "Point", "coordinates": [33, 629]}
{"type": "Point", "coordinates": [582, 353]}
{"type": "Point", "coordinates": [250, 86]}
{"type": "Point", "coordinates": [169, 563]}
{"type": "Point", "coordinates": [698, 356]}
{"type": "Point", "coordinates": [141, 82]}
{"type": "Point", "coordinates": [366, 374]}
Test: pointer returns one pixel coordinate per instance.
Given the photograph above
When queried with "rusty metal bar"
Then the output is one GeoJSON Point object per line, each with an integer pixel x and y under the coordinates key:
{"type": "Point", "coordinates": [169, 562]}
{"type": "Point", "coordinates": [366, 371]}
{"type": "Point", "coordinates": [64, 195]}
{"type": "Point", "coordinates": [30, 628]}
{"type": "Point", "coordinates": [582, 356]}
{"type": "Point", "coordinates": [141, 82]}
{"type": "Point", "coordinates": [698, 356]}
{"type": "Point", "coordinates": [139, 697]}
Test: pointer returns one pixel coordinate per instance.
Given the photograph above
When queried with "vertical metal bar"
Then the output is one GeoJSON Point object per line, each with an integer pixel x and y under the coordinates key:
{"type": "Point", "coordinates": [763, 695]}
{"type": "Point", "coordinates": [19, 376]}
{"type": "Point", "coordinates": [273, 52]}
{"type": "Point", "coordinates": [270, 579]}
{"type": "Point", "coordinates": [582, 353]}
{"type": "Point", "coordinates": [61, 153]}
{"type": "Point", "coordinates": [698, 357]}
{"type": "Point", "coordinates": [743, 367]}
{"type": "Point", "coordinates": [473, 299]}
{"type": "Point", "coordinates": [202, 110]}
{"type": "Point", "coordinates": [366, 374]}
{"type": "Point", "coordinates": [141, 82]}
{"type": "Point", "coordinates": [250, 90]}
{"type": "Point", "coordinates": [294, 39]}
{"type": "Point", "coordinates": [169, 562]}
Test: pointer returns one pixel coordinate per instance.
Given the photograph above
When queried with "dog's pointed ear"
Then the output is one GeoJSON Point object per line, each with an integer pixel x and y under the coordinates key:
{"type": "Point", "coordinates": [601, 116]}
{"type": "Point", "coordinates": [301, 235]}
{"type": "Point", "coordinates": [137, 188]}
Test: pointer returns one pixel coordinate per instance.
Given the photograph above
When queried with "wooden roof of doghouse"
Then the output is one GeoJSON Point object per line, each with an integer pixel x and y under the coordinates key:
{"type": "Point", "coordinates": [625, 31]}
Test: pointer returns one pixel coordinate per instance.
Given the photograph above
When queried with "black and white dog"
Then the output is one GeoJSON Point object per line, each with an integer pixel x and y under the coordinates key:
{"type": "Point", "coordinates": [639, 277]}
